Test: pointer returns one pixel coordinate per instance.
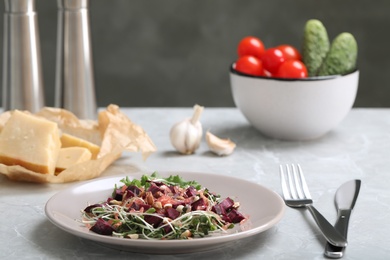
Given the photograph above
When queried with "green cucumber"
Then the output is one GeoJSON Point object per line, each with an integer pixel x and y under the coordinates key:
{"type": "Point", "coordinates": [342, 56]}
{"type": "Point", "coordinates": [315, 46]}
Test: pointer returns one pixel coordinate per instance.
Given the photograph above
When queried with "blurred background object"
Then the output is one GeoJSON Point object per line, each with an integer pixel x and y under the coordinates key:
{"type": "Point", "coordinates": [22, 80]}
{"type": "Point", "coordinates": [178, 53]}
{"type": "Point", "coordinates": [75, 82]}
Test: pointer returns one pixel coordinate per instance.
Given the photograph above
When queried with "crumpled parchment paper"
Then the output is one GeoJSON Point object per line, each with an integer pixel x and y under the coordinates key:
{"type": "Point", "coordinates": [114, 132]}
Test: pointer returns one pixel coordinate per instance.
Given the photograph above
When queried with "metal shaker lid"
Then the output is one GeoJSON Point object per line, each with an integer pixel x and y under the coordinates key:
{"type": "Point", "coordinates": [72, 4]}
{"type": "Point", "coordinates": [19, 6]}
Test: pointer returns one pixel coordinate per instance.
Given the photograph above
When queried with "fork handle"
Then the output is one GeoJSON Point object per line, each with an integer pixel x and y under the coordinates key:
{"type": "Point", "coordinates": [330, 233]}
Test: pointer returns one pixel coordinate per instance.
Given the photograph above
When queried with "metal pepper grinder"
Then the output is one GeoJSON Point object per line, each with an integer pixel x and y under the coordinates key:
{"type": "Point", "coordinates": [22, 70]}
{"type": "Point", "coordinates": [75, 86]}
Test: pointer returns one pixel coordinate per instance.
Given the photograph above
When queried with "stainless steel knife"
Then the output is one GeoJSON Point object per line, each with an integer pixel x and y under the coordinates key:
{"type": "Point", "coordinates": [345, 200]}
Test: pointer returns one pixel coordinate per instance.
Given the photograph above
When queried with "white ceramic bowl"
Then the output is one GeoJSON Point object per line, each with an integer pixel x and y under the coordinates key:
{"type": "Point", "coordinates": [294, 109]}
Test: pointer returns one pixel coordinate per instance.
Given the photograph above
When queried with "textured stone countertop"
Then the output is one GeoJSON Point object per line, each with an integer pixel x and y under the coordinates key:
{"type": "Point", "coordinates": [358, 148]}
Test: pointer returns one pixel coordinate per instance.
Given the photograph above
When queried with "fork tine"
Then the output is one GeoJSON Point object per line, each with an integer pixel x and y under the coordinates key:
{"type": "Point", "coordinates": [303, 181]}
{"type": "Point", "coordinates": [291, 181]}
{"type": "Point", "coordinates": [285, 190]}
{"type": "Point", "coordinates": [297, 180]}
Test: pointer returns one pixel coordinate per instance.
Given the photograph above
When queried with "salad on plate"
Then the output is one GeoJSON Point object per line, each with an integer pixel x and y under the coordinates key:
{"type": "Point", "coordinates": [159, 208]}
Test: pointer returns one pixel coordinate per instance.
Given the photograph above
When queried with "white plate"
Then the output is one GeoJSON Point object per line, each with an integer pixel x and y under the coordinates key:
{"type": "Point", "coordinates": [264, 207]}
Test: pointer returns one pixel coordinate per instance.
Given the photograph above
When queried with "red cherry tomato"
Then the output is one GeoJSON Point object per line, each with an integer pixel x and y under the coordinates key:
{"type": "Point", "coordinates": [250, 46]}
{"type": "Point", "coordinates": [292, 69]}
{"type": "Point", "coordinates": [272, 59]}
{"type": "Point", "coordinates": [290, 52]}
{"type": "Point", "coordinates": [267, 74]}
{"type": "Point", "coordinates": [249, 65]}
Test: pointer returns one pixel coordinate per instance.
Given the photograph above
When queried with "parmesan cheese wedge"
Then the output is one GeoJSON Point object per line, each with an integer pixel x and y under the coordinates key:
{"type": "Point", "coordinates": [31, 142]}
{"type": "Point", "coordinates": [70, 156]}
{"type": "Point", "coordinates": [68, 140]}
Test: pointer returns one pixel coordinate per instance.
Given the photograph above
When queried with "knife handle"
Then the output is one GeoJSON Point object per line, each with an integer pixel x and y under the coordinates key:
{"type": "Point", "coordinates": [342, 221]}
{"type": "Point", "coordinates": [341, 225]}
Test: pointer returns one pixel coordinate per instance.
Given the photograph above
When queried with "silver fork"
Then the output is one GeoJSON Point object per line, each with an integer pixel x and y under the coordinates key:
{"type": "Point", "coordinates": [296, 194]}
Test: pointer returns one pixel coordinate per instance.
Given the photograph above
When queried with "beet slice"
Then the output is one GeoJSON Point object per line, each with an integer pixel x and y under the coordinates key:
{"type": "Point", "coordinates": [191, 191]}
{"type": "Point", "coordinates": [155, 221]}
{"type": "Point", "coordinates": [134, 189]}
{"type": "Point", "coordinates": [102, 227]}
{"type": "Point", "coordinates": [235, 216]}
{"type": "Point", "coordinates": [90, 207]}
{"type": "Point", "coordinates": [172, 213]}
{"type": "Point", "coordinates": [138, 206]}
{"type": "Point", "coordinates": [227, 204]}
{"type": "Point", "coordinates": [154, 188]}
{"type": "Point", "coordinates": [118, 195]}
{"type": "Point", "coordinates": [219, 209]}
{"type": "Point", "coordinates": [198, 205]}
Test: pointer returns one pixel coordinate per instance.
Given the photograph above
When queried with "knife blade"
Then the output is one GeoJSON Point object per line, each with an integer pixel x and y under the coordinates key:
{"type": "Point", "coordinates": [345, 199]}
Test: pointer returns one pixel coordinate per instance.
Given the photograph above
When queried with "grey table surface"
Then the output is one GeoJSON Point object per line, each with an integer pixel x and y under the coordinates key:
{"type": "Point", "coordinates": [358, 148]}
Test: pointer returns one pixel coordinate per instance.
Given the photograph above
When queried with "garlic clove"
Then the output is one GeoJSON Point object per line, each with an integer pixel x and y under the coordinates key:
{"type": "Point", "coordinates": [219, 146]}
{"type": "Point", "coordinates": [186, 135]}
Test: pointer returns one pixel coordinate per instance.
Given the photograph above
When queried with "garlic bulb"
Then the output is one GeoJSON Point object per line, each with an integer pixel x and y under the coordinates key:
{"type": "Point", "coordinates": [186, 135]}
{"type": "Point", "coordinates": [219, 146]}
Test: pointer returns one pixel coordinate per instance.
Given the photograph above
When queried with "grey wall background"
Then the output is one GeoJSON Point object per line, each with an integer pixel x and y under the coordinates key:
{"type": "Point", "coordinates": [178, 52]}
